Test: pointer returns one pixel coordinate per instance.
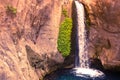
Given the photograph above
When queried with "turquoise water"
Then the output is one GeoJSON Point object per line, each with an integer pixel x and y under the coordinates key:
{"type": "Point", "coordinates": [70, 76]}
{"type": "Point", "coordinates": [65, 74]}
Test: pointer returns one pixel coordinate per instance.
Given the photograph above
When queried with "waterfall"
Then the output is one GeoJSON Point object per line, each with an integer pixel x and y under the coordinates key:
{"type": "Point", "coordinates": [81, 58]}
{"type": "Point", "coordinates": [82, 52]}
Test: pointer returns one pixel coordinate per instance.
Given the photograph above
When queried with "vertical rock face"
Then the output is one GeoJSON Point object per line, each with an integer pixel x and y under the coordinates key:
{"type": "Point", "coordinates": [28, 38]}
{"type": "Point", "coordinates": [104, 31]}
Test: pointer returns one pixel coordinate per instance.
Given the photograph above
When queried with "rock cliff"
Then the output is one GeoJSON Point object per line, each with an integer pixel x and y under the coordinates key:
{"type": "Point", "coordinates": [29, 31]}
{"type": "Point", "coordinates": [104, 31]}
{"type": "Point", "coordinates": [28, 38]}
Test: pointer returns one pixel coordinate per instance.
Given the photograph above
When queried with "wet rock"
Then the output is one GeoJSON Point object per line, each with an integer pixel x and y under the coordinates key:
{"type": "Point", "coordinates": [96, 64]}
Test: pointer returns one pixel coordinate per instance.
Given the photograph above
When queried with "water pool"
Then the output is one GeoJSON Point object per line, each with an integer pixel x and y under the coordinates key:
{"type": "Point", "coordinates": [65, 74]}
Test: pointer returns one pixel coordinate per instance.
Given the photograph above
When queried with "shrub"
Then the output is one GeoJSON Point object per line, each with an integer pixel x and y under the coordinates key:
{"type": "Point", "coordinates": [64, 38]}
{"type": "Point", "coordinates": [64, 12]}
{"type": "Point", "coordinates": [11, 9]}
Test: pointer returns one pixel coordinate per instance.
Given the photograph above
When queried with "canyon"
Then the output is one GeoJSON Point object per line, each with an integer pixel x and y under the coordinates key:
{"type": "Point", "coordinates": [29, 32]}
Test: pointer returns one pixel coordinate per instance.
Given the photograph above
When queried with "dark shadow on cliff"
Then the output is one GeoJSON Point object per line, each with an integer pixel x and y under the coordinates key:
{"type": "Point", "coordinates": [42, 61]}
{"type": "Point", "coordinates": [74, 38]}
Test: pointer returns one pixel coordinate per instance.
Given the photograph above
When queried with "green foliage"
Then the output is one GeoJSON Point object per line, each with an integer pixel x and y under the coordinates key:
{"type": "Point", "coordinates": [64, 39]}
{"type": "Point", "coordinates": [64, 12]}
{"type": "Point", "coordinates": [88, 22]}
{"type": "Point", "coordinates": [87, 16]}
{"type": "Point", "coordinates": [11, 9]}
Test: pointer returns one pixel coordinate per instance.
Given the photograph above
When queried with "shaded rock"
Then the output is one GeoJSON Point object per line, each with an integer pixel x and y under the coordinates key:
{"type": "Point", "coordinates": [44, 63]}
{"type": "Point", "coordinates": [96, 63]}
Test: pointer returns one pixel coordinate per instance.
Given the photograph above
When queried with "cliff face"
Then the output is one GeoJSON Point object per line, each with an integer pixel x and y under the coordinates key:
{"type": "Point", "coordinates": [104, 31]}
{"type": "Point", "coordinates": [29, 31]}
{"type": "Point", "coordinates": [28, 38]}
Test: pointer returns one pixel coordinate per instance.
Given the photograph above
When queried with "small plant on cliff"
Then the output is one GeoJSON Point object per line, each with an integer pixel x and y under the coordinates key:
{"type": "Point", "coordinates": [88, 22]}
{"type": "Point", "coordinates": [64, 39]}
{"type": "Point", "coordinates": [11, 10]}
{"type": "Point", "coordinates": [64, 12]}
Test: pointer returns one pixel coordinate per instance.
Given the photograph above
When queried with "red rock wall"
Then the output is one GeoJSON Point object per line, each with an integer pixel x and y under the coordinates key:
{"type": "Point", "coordinates": [104, 30]}
{"type": "Point", "coordinates": [28, 38]}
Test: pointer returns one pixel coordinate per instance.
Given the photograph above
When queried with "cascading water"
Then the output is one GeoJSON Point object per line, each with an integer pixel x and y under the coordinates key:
{"type": "Point", "coordinates": [82, 71]}
{"type": "Point", "coordinates": [81, 62]}
{"type": "Point", "coordinates": [82, 42]}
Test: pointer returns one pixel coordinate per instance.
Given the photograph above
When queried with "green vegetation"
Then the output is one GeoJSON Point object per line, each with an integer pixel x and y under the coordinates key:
{"type": "Point", "coordinates": [88, 22]}
{"type": "Point", "coordinates": [64, 39]}
{"type": "Point", "coordinates": [87, 16]}
{"type": "Point", "coordinates": [64, 12]}
{"type": "Point", "coordinates": [11, 9]}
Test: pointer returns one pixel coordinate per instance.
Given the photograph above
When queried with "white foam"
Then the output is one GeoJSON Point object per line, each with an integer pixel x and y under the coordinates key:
{"type": "Point", "coordinates": [81, 36]}
{"type": "Point", "coordinates": [87, 72]}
